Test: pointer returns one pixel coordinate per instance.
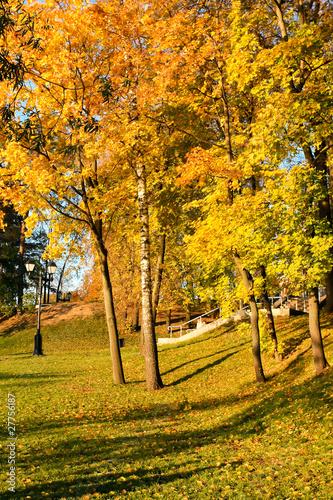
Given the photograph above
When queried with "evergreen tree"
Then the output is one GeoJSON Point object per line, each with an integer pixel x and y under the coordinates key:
{"type": "Point", "coordinates": [9, 260]}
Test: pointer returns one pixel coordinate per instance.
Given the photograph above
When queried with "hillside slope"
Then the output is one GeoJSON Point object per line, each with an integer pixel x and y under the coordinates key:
{"type": "Point", "coordinates": [211, 433]}
{"type": "Point", "coordinates": [53, 314]}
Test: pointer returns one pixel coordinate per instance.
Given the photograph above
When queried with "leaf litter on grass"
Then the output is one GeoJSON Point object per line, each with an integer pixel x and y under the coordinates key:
{"type": "Point", "coordinates": [211, 433]}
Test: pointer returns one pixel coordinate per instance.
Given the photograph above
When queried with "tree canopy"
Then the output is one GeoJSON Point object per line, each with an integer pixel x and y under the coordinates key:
{"type": "Point", "coordinates": [203, 125]}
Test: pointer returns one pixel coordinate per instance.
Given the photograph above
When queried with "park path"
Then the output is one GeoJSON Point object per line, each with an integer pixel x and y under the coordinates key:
{"type": "Point", "coordinates": [234, 318]}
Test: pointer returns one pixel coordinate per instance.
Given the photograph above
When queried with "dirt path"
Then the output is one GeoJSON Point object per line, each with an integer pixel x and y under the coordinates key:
{"type": "Point", "coordinates": [53, 314]}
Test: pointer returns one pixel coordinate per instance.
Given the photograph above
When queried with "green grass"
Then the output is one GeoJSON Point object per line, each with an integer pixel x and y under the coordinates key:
{"type": "Point", "coordinates": [211, 433]}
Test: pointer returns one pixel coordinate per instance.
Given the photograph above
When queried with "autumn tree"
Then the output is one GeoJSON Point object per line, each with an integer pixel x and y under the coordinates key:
{"type": "Point", "coordinates": [84, 129]}
{"type": "Point", "coordinates": [55, 137]}
{"type": "Point", "coordinates": [246, 113]}
{"type": "Point", "coordinates": [198, 82]}
{"type": "Point", "coordinates": [124, 264]}
{"type": "Point", "coordinates": [309, 89]}
{"type": "Point", "coordinates": [290, 43]}
{"type": "Point", "coordinates": [302, 246]}
{"type": "Point", "coordinates": [16, 36]}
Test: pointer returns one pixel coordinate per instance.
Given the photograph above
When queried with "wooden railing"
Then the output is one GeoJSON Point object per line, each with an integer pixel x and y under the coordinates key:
{"type": "Point", "coordinates": [170, 328]}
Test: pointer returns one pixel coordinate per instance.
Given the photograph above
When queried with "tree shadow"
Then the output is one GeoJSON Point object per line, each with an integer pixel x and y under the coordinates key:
{"type": "Point", "coordinates": [203, 357]}
{"type": "Point", "coordinates": [201, 370]}
{"type": "Point", "coordinates": [102, 467]}
{"type": "Point", "coordinates": [298, 334]}
{"type": "Point", "coordinates": [296, 338]}
{"type": "Point", "coordinates": [326, 320]}
{"type": "Point", "coordinates": [32, 379]}
{"type": "Point", "coordinates": [104, 482]}
{"type": "Point", "coordinates": [23, 355]}
{"type": "Point", "coordinates": [25, 324]}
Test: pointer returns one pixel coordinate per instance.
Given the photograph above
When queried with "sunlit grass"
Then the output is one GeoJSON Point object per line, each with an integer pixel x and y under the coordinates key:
{"type": "Point", "coordinates": [210, 433]}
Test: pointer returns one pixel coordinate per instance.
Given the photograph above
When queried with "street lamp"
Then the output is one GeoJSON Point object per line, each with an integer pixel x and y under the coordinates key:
{"type": "Point", "coordinates": [30, 265]}
{"type": "Point", "coordinates": [51, 267]}
{"type": "Point", "coordinates": [50, 270]}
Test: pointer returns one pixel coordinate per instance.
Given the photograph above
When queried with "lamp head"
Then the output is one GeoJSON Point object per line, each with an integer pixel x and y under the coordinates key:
{"type": "Point", "coordinates": [30, 265]}
{"type": "Point", "coordinates": [51, 268]}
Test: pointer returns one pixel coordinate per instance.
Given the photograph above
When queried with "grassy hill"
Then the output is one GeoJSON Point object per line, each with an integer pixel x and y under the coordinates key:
{"type": "Point", "coordinates": [211, 433]}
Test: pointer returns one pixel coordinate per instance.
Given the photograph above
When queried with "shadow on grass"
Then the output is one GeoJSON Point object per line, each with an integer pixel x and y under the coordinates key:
{"type": "Point", "coordinates": [99, 462]}
{"type": "Point", "coordinates": [36, 379]}
{"type": "Point", "coordinates": [326, 320]}
{"type": "Point", "coordinates": [93, 460]}
{"type": "Point", "coordinates": [26, 322]}
{"type": "Point", "coordinates": [31, 376]}
{"type": "Point", "coordinates": [106, 482]}
{"type": "Point", "coordinates": [23, 355]}
{"type": "Point", "coordinates": [203, 357]}
{"type": "Point", "coordinates": [296, 337]}
{"type": "Point", "coordinates": [201, 370]}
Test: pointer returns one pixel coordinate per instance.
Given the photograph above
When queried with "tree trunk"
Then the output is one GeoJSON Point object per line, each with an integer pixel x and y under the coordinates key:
{"type": "Point", "coordinates": [329, 292]}
{"type": "Point", "coordinates": [322, 162]}
{"type": "Point", "coordinates": [158, 275]}
{"type": "Point", "coordinates": [153, 377]}
{"type": "Point", "coordinates": [329, 276]}
{"type": "Point", "coordinates": [256, 341]}
{"type": "Point", "coordinates": [271, 326]}
{"type": "Point", "coordinates": [168, 321]}
{"type": "Point", "coordinates": [321, 165]}
{"type": "Point", "coordinates": [20, 289]}
{"type": "Point", "coordinates": [270, 319]}
{"type": "Point", "coordinates": [320, 361]}
{"type": "Point", "coordinates": [248, 282]}
{"type": "Point", "coordinates": [60, 279]}
{"type": "Point", "coordinates": [279, 15]}
{"type": "Point", "coordinates": [142, 343]}
{"type": "Point", "coordinates": [135, 316]}
{"type": "Point", "coordinates": [246, 277]}
{"type": "Point", "coordinates": [118, 374]}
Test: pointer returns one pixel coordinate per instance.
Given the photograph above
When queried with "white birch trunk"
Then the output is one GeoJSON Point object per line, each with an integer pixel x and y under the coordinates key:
{"type": "Point", "coordinates": [153, 378]}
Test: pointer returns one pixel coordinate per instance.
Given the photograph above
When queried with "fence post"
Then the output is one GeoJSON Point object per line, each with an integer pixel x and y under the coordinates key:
{"type": "Point", "coordinates": [181, 329]}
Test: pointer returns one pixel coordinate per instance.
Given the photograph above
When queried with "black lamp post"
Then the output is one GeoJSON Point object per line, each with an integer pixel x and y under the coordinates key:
{"type": "Point", "coordinates": [51, 267]}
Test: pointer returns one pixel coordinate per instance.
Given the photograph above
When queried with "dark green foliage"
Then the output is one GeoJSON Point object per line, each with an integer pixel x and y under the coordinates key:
{"type": "Point", "coordinates": [9, 255]}
{"type": "Point", "coordinates": [11, 273]}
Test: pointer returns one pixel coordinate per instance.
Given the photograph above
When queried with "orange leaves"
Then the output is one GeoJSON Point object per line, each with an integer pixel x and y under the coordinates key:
{"type": "Point", "coordinates": [202, 163]}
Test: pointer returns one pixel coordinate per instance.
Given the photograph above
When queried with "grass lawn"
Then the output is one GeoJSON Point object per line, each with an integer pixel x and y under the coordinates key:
{"type": "Point", "coordinates": [211, 433]}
